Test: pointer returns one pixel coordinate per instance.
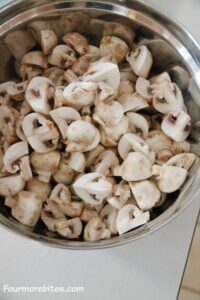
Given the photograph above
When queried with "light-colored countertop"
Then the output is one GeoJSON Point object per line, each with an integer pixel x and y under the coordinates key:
{"type": "Point", "coordinates": [150, 268]}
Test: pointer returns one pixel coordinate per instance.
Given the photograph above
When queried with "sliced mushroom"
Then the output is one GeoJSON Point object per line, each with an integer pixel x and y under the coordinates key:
{"type": "Point", "coordinates": [70, 76]}
{"type": "Point", "coordinates": [40, 187]}
{"type": "Point", "coordinates": [130, 217]}
{"type": "Point", "coordinates": [104, 93]}
{"type": "Point", "coordinates": [158, 141]}
{"type": "Point", "coordinates": [19, 42]}
{"type": "Point", "coordinates": [126, 87]}
{"type": "Point", "coordinates": [106, 162]}
{"type": "Point", "coordinates": [35, 124]}
{"type": "Point", "coordinates": [161, 78]}
{"type": "Point", "coordinates": [108, 114]}
{"type": "Point", "coordinates": [35, 58]}
{"type": "Point", "coordinates": [27, 72]}
{"type": "Point", "coordinates": [177, 126]}
{"type": "Point", "coordinates": [121, 194]}
{"type": "Point", "coordinates": [62, 56]}
{"type": "Point", "coordinates": [96, 230]}
{"type": "Point", "coordinates": [45, 164]}
{"type": "Point", "coordinates": [93, 188]}
{"type": "Point", "coordinates": [111, 45]}
{"type": "Point", "coordinates": [135, 167]}
{"type": "Point", "coordinates": [180, 147]}
{"type": "Point", "coordinates": [77, 162]}
{"type": "Point", "coordinates": [39, 94]}
{"type": "Point", "coordinates": [82, 64]}
{"type": "Point", "coordinates": [119, 30]}
{"type": "Point", "coordinates": [89, 212]}
{"type": "Point", "coordinates": [48, 40]}
{"type": "Point", "coordinates": [74, 21]}
{"type": "Point", "coordinates": [138, 124]}
{"type": "Point", "coordinates": [146, 194]}
{"type": "Point", "coordinates": [64, 174]}
{"type": "Point", "coordinates": [56, 75]}
{"type": "Point", "coordinates": [51, 221]}
{"type": "Point", "coordinates": [17, 91]}
{"type": "Point", "coordinates": [25, 168]}
{"type": "Point", "coordinates": [70, 229]}
{"type": "Point", "coordinates": [169, 178]}
{"type": "Point", "coordinates": [92, 155]}
{"type": "Point", "coordinates": [77, 41]}
{"type": "Point", "coordinates": [132, 102]}
{"type": "Point", "coordinates": [183, 160]}
{"type": "Point", "coordinates": [82, 136]}
{"type": "Point", "coordinates": [109, 215]}
{"type": "Point", "coordinates": [142, 88]}
{"type": "Point", "coordinates": [8, 119]}
{"type": "Point", "coordinates": [140, 61]}
{"type": "Point", "coordinates": [11, 185]}
{"type": "Point", "coordinates": [25, 207]}
{"type": "Point", "coordinates": [61, 194]}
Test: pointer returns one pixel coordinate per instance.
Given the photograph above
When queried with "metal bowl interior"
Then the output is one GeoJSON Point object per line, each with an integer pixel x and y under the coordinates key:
{"type": "Point", "coordinates": [181, 49]}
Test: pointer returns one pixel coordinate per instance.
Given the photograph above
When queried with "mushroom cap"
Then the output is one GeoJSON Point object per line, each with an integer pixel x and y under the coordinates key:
{"type": "Point", "coordinates": [130, 217]}
{"type": "Point", "coordinates": [126, 87]}
{"type": "Point", "coordinates": [55, 74]}
{"type": "Point", "coordinates": [77, 41]}
{"type": "Point", "coordinates": [11, 185]}
{"type": "Point", "coordinates": [160, 78]}
{"type": "Point", "coordinates": [112, 45]}
{"type": "Point", "coordinates": [108, 114]}
{"type": "Point", "coordinates": [146, 194]}
{"type": "Point", "coordinates": [96, 230]}
{"type": "Point", "coordinates": [35, 124]}
{"type": "Point", "coordinates": [138, 124]}
{"type": "Point", "coordinates": [8, 119]}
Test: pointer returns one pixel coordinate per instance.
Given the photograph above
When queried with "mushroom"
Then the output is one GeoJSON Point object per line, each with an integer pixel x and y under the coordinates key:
{"type": "Point", "coordinates": [25, 168]}
{"type": "Point", "coordinates": [62, 116]}
{"type": "Point", "coordinates": [96, 230]}
{"type": "Point", "coordinates": [131, 141]}
{"type": "Point", "coordinates": [142, 88]}
{"type": "Point", "coordinates": [130, 217]}
{"type": "Point", "coordinates": [82, 136]}
{"type": "Point", "coordinates": [104, 93]}
{"type": "Point", "coordinates": [45, 164]}
{"type": "Point", "coordinates": [92, 155]}
{"type": "Point", "coordinates": [93, 188]}
{"type": "Point", "coordinates": [35, 58]}
{"type": "Point", "coordinates": [70, 229]}
{"type": "Point", "coordinates": [77, 41]}
{"type": "Point", "coordinates": [180, 147]}
{"type": "Point", "coordinates": [82, 64]}
{"type": "Point", "coordinates": [79, 94]}
{"type": "Point", "coordinates": [64, 174]}
{"type": "Point", "coordinates": [27, 72]}
{"type": "Point", "coordinates": [70, 76]}
{"type": "Point", "coordinates": [160, 78]}
{"type": "Point", "coordinates": [35, 124]}
{"type": "Point", "coordinates": [126, 73]}
{"type": "Point", "coordinates": [43, 189]}
{"type": "Point", "coordinates": [132, 102]}
{"type": "Point", "coordinates": [103, 72]}
{"type": "Point", "coordinates": [169, 178]}
{"type": "Point", "coordinates": [17, 91]}
{"type": "Point", "coordinates": [39, 94]}
{"type": "Point", "coordinates": [167, 97]}
{"type": "Point", "coordinates": [146, 194]}
{"type": "Point", "coordinates": [56, 75]}
{"type": "Point", "coordinates": [11, 185]}
{"type": "Point", "coordinates": [177, 125]}
{"type": "Point", "coordinates": [90, 211]}
{"type": "Point", "coordinates": [8, 119]}
{"type": "Point", "coordinates": [183, 160]}
{"type": "Point", "coordinates": [25, 207]}
{"type": "Point", "coordinates": [61, 194]}
{"type": "Point", "coordinates": [126, 87]}
{"type": "Point", "coordinates": [157, 141]}
{"type": "Point", "coordinates": [19, 42]}
{"type": "Point", "coordinates": [135, 167]}
{"type": "Point", "coordinates": [121, 194]}
{"type": "Point", "coordinates": [138, 124]}
{"type": "Point", "coordinates": [140, 61]}
{"type": "Point", "coordinates": [74, 21]}
{"type": "Point", "coordinates": [111, 45]}
{"type": "Point", "coordinates": [50, 221]}
{"type": "Point", "coordinates": [108, 114]}
{"type": "Point", "coordinates": [109, 215]}
{"type": "Point", "coordinates": [106, 162]}
{"type": "Point", "coordinates": [13, 154]}
{"type": "Point", "coordinates": [119, 30]}
{"type": "Point", "coordinates": [77, 162]}
{"type": "Point", "coordinates": [62, 56]}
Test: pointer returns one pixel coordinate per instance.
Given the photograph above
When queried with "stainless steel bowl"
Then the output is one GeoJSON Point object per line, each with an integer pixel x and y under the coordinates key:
{"type": "Point", "coordinates": [180, 48]}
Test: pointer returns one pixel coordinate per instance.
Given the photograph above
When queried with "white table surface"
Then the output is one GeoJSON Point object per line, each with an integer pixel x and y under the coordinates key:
{"type": "Point", "coordinates": [150, 268]}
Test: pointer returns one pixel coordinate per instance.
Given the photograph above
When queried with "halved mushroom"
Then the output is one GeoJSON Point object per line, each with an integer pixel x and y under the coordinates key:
{"type": "Point", "coordinates": [121, 194]}
{"type": "Point", "coordinates": [96, 230]}
{"type": "Point", "coordinates": [109, 215]}
{"type": "Point", "coordinates": [119, 30]}
{"type": "Point", "coordinates": [82, 136]}
{"type": "Point", "coordinates": [17, 91]}
{"type": "Point", "coordinates": [74, 21]}
{"type": "Point", "coordinates": [167, 97]}
{"type": "Point", "coordinates": [77, 41]}
{"type": "Point", "coordinates": [106, 162]}
{"type": "Point", "coordinates": [35, 124]}
{"type": "Point", "coordinates": [183, 160]}
{"type": "Point", "coordinates": [138, 124]}
{"type": "Point", "coordinates": [140, 61]}
{"type": "Point", "coordinates": [40, 187]}
{"type": "Point", "coordinates": [34, 58]}
{"type": "Point", "coordinates": [70, 229]}
{"type": "Point", "coordinates": [132, 102]}
{"type": "Point", "coordinates": [79, 94]}
{"type": "Point", "coordinates": [45, 164]}
{"type": "Point", "coordinates": [11, 185]}
{"type": "Point", "coordinates": [77, 162]}
{"type": "Point", "coordinates": [143, 89]}
{"type": "Point", "coordinates": [132, 142]}
{"type": "Point", "coordinates": [103, 72]}
{"type": "Point", "coordinates": [50, 220]}
{"type": "Point", "coordinates": [61, 194]}
{"type": "Point", "coordinates": [130, 217]}
{"type": "Point", "coordinates": [19, 42]}
{"type": "Point", "coordinates": [56, 75]}
{"type": "Point", "coordinates": [126, 87]}
{"type": "Point", "coordinates": [62, 56]}
{"type": "Point", "coordinates": [64, 174]}
{"type": "Point", "coordinates": [13, 155]}
{"type": "Point", "coordinates": [27, 72]}
{"type": "Point", "coordinates": [58, 207]}
{"type": "Point", "coordinates": [169, 178]}
{"type": "Point", "coordinates": [135, 167]}
{"type": "Point", "coordinates": [177, 125]}
{"type": "Point", "coordinates": [25, 207]}
{"type": "Point", "coordinates": [8, 119]}
{"type": "Point", "coordinates": [39, 94]}
{"type": "Point", "coordinates": [62, 116]}
{"type": "Point", "coordinates": [146, 194]}
{"type": "Point", "coordinates": [108, 114]}
{"type": "Point", "coordinates": [112, 45]}
{"type": "Point", "coordinates": [93, 188]}
{"type": "Point", "coordinates": [92, 155]}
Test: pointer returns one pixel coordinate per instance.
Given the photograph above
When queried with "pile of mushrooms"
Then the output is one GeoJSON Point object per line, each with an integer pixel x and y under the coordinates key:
{"type": "Point", "coordinates": [92, 139]}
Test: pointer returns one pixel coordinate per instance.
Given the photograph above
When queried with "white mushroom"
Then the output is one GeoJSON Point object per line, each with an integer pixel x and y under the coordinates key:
{"type": "Point", "coordinates": [157, 141]}
{"type": "Point", "coordinates": [62, 56]}
{"type": "Point", "coordinates": [45, 164]}
{"type": "Point", "coordinates": [8, 119]}
{"type": "Point", "coordinates": [177, 126]}
{"type": "Point", "coordinates": [64, 174]}
{"type": "Point", "coordinates": [180, 147]}
{"type": "Point", "coordinates": [51, 221]}
{"type": "Point", "coordinates": [146, 194]}
{"type": "Point", "coordinates": [104, 93]}
{"type": "Point", "coordinates": [126, 87]}
{"type": "Point", "coordinates": [96, 230]}
{"type": "Point", "coordinates": [161, 78]}
{"type": "Point", "coordinates": [140, 61]}
{"type": "Point", "coordinates": [77, 41]}
{"type": "Point", "coordinates": [77, 161]}
{"type": "Point", "coordinates": [106, 162]}
{"type": "Point", "coordinates": [70, 76]}
{"type": "Point", "coordinates": [132, 102]}
{"type": "Point", "coordinates": [138, 124]}
{"type": "Point", "coordinates": [90, 211]}
{"type": "Point", "coordinates": [93, 188]}
{"type": "Point", "coordinates": [103, 72]}
{"type": "Point", "coordinates": [92, 155]}
{"type": "Point", "coordinates": [35, 58]}
{"type": "Point", "coordinates": [121, 194]}
{"type": "Point", "coordinates": [109, 215]}
{"type": "Point", "coordinates": [25, 168]}
{"type": "Point", "coordinates": [17, 91]}
{"type": "Point", "coordinates": [135, 167]}
{"type": "Point", "coordinates": [61, 194]}
{"type": "Point", "coordinates": [82, 136]}
{"type": "Point", "coordinates": [183, 160]}
{"type": "Point", "coordinates": [111, 45]}
{"type": "Point", "coordinates": [169, 178]}
{"type": "Point", "coordinates": [11, 185]}
{"type": "Point", "coordinates": [62, 117]}
{"type": "Point", "coordinates": [130, 217]}
{"type": "Point", "coordinates": [39, 94]}
{"type": "Point", "coordinates": [56, 75]}
{"type": "Point", "coordinates": [70, 229]}
{"type": "Point", "coordinates": [142, 88]}
{"type": "Point", "coordinates": [40, 187]}
{"type": "Point", "coordinates": [119, 30]}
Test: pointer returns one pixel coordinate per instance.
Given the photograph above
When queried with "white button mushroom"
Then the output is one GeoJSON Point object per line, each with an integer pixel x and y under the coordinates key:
{"type": "Point", "coordinates": [130, 217]}
{"type": "Point", "coordinates": [8, 119]}
{"type": "Point", "coordinates": [177, 126]}
{"type": "Point", "coordinates": [56, 75]}
{"type": "Point", "coordinates": [77, 161]}
{"type": "Point", "coordinates": [62, 56]}
{"type": "Point", "coordinates": [142, 88]}
{"type": "Point", "coordinates": [96, 230]}
{"type": "Point", "coordinates": [109, 215]}
{"type": "Point", "coordinates": [64, 174]}
{"type": "Point", "coordinates": [138, 124]}
{"type": "Point", "coordinates": [160, 78]}
{"type": "Point", "coordinates": [121, 194]}
{"type": "Point", "coordinates": [40, 187]}
{"type": "Point", "coordinates": [61, 194]}
{"type": "Point", "coordinates": [34, 58]}
{"type": "Point", "coordinates": [70, 229]}
{"type": "Point", "coordinates": [25, 168]}
{"type": "Point", "coordinates": [92, 155]}
{"type": "Point", "coordinates": [77, 41]}
{"type": "Point", "coordinates": [183, 160]}
{"type": "Point", "coordinates": [90, 211]}
{"type": "Point", "coordinates": [106, 162]}
{"type": "Point", "coordinates": [126, 87]}
{"type": "Point", "coordinates": [111, 45]}
{"type": "Point", "coordinates": [132, 102]}
{"type": "Point", "coordinates": [11, 185]}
